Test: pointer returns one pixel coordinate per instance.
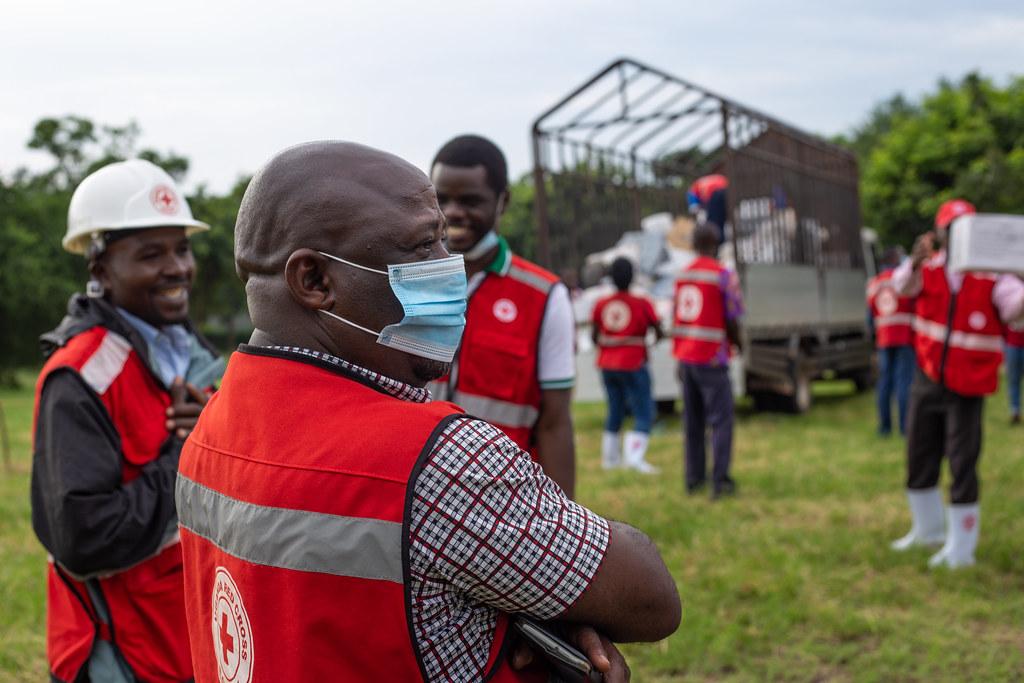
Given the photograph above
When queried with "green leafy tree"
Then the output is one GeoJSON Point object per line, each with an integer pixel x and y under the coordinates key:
{"type": "Point", "coordinates": [964, 140]}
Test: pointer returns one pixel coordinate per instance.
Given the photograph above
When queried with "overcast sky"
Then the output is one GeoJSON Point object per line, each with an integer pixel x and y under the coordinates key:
{"type": "Point", "coordinates": [227, 84]}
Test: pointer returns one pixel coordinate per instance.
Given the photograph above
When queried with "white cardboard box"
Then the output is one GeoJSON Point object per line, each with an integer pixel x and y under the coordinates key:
{"type": "Point", "coordinates": [988, 242]}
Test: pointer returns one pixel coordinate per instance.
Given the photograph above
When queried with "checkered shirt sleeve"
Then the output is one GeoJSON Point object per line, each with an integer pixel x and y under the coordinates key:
{"type": "Point", "coordinates": [489, 531]}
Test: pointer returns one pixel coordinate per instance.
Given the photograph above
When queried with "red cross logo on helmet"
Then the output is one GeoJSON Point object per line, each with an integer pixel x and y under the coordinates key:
{"type": "Point", "coordinates": [164, 200]}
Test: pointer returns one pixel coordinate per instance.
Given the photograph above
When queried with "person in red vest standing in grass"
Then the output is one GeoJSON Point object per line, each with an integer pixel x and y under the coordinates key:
{"type": "Point", "coordinates": [619, 328]}
{"type": "Point", "coordinates": [958, 340]}
{"type": "Point", "coordinates": [708, 305]}
{"type": "Point", "coordinates": [125, 378]}
{"type": "Point", "coordinates": [891, 319]}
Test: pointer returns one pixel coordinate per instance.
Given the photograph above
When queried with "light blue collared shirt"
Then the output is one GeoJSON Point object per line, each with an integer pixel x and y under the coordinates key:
{"type": "Point", "coordinates": [169, 347]}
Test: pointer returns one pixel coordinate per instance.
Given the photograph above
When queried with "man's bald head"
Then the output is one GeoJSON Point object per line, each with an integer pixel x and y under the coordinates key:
{"type": "Point", "coordinates": [313, 196]}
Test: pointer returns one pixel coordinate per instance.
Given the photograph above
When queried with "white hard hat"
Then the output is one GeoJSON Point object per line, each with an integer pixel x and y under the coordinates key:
{"type": "Point", "coordinates": [126, 195]}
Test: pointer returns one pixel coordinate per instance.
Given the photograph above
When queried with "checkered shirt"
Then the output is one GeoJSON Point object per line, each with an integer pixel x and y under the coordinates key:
{"type": "Point", "coordinates": [488, 532]}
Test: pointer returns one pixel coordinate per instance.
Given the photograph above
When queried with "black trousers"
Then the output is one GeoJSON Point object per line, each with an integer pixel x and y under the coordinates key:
{"type": "Point", "coordinates": [943, 423]}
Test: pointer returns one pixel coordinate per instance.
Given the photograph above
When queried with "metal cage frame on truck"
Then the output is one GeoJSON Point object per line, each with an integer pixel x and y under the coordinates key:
{"type": "Point", "coordinates": [629, 141]}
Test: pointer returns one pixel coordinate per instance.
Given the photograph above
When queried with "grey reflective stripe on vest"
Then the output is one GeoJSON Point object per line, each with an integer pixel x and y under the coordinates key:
{"type": "Point", "coordinates": [292, 539]}
{"type": "Point", "coordinates": [541, 284]}
{"type": "Point", "coordinates": [493, 410]}
{"type": "Point", "coordinates": [707, 276]}
{"type": "Point", "coordinates": [607, 340]}
{"type": "Point", "coordinates": [894, 319]}
{"type": "Point", "coordinates": [702, 333]}
{"type": "Point", "coordinates": [992, 343]}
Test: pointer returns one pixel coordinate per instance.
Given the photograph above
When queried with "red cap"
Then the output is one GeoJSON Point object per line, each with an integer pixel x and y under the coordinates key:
{"type": "Point", "coordinates": [952, 209]}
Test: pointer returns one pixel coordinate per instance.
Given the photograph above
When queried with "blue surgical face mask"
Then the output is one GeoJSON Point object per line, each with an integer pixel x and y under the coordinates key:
{"type": "Point", "coordinates": [433, 297]}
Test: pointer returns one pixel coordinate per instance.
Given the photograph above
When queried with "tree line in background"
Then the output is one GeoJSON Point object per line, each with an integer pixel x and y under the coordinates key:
{"type": "Point", "coordinates": [965, 139]}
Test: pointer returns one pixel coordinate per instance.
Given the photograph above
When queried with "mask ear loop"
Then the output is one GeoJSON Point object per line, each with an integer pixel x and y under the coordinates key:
{"type": "Point", "coordinates": [354, 265]}
{"type": "Point", "coordinates": [349, 322]}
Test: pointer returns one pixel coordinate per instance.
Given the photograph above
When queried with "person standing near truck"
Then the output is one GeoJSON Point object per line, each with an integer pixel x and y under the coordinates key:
{"type": "Point", "coordinates": [114, 403]}
{"type": "Point", "coordinates": [707, 308]}
{"type": "Point", "coordinates": [516, 365]}
{"type": "Point", "coordinates": [958, 326]}
{"type": "Point", "coordinates": [709, 193]}
{"type": "Point", "coordinates": [891, 319]}
{"type": "Point", "coordinates": [619, 328]}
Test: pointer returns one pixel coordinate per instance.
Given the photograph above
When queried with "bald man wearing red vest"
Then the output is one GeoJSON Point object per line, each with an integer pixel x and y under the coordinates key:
{"type": "Point", "coordinates": [338, 524]}
{"type": "Point", "coordinates": [707, 308]}
{"type": "Point", "coordinates": [958, 327]}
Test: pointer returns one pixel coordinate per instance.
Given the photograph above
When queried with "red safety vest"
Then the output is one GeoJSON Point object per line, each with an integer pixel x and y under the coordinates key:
{"type": "Point", "coordinates": [699, 312]}
{"type": "Point", "coordinates": [294, 502]}
{"type": "Point", "coordinates": [146, 602]}
{"type": "Point", "coordinates": [621, 321]}
{"type": "Point", "coordinates": [497, 362]}
{"type": "Point", "coordinates": [1015, 334]}
{"type": "Point", "coordinates": [893, 315]}
{"type": "Point", "coordinates": [964, 355]}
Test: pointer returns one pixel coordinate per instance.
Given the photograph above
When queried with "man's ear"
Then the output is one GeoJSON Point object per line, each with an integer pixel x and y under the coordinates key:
{"type": "Point", "coordinates": [503, 200]}
{"type": "Point", "coordinates": [98, 272]}
{"type": "Point", "coordinates": [308, 280]}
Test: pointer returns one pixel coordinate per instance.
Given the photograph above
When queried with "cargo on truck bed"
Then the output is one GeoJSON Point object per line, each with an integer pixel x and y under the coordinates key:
{"type": "Point", "coordinates": [629, 142]}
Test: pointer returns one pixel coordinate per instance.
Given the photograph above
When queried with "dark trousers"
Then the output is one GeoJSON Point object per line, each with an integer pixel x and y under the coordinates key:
{"type": "Point", "coordinates": [707, 402]}
{"type": "Point", "coordinates": [943, 423]}
{"type": "Point", "coordinates": [895, 373]}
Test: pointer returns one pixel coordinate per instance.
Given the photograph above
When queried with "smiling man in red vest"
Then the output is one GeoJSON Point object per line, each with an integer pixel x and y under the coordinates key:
{"type": "Point", "coordinates": [112, 409]}
{"type": "Point", "coordinates": [339, 525]}
{"type": "Point", "coordinates": [891, 318]}
{"type": "Point", "coordinates": [958, 327]}
{"type": "Point", "coordinates": [707, 308]}
{"type": "Point", "coordinates": [516, 366]}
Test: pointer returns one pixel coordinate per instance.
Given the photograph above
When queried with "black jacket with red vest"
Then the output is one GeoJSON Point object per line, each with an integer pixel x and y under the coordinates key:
{"type": "Point", "coordinates": [102, 492]}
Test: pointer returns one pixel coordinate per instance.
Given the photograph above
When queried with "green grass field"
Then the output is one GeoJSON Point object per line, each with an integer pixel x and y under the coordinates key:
{"type": "Point", "coordinates": [792, 580]}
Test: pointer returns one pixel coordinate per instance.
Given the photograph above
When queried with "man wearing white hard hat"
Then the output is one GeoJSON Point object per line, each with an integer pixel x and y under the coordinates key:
{"type": "Point", "coordinates": [125, 378]}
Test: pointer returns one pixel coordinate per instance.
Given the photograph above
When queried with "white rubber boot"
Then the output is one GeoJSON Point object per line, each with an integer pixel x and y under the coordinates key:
{"type": "Point", "coordinates": [635, 446]}
{"type": "Point", "coordinates": [611, 454]}
{"type": "Point", "coordinates": [926, 515]}
{"type": "Point", "coordinates": [961, 539]}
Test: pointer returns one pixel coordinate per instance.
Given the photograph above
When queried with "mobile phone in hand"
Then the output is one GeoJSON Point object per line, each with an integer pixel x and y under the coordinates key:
{"type": "Point", "coordinates": [566, 662]}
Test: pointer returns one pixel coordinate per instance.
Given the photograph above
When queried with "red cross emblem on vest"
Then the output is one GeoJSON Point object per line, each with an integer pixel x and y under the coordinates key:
{"type": "Point", "coordinates": [232, 633]}
{"type": "Point", "coordinates": [615, 316]}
